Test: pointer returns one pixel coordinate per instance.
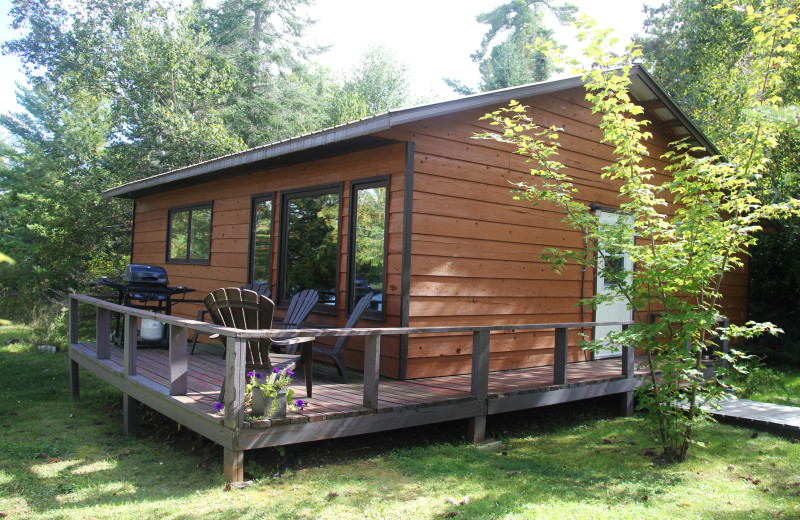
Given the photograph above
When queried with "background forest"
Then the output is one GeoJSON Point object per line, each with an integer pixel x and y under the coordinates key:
{"type": "Point", "coordinates": [118, 90]}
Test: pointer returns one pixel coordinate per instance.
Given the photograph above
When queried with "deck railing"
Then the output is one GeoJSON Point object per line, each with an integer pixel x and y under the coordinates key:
{"type": "Point", "coordinates": [236, 343]}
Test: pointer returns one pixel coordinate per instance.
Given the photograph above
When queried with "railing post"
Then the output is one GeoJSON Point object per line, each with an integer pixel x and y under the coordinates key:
{"type": "Point", "coordinates": [560, 356]}
{"type": "Point", "coordinates": [178, 361]}
{"type": "Point", "coordinates": [130, 343]}
{"type": "Point", "coordinates": [235, 349]}
{"type": "Point", "coordinates": [130, 417]}
{"type": "Point", "coordinates": [233, 459]}
{"type": "Point", "coordinates": [628, 372]}
{"type": "Point", "coordinates": [103, 333]}
{"type": "Point", "coordinates": [725, 347]}
{"type": "Point", "coordinates": [372, 369]}
{"type": "Point", "coordinates": [481, 351]}
{"type": "Point", "coordinates": [74, 372]}
{"type": "Point", "coordinates": [480, 364]}
{"type": "Point", "coordinates": [73, 320]}
{"type": "Point", "coordinates": [628, 368]}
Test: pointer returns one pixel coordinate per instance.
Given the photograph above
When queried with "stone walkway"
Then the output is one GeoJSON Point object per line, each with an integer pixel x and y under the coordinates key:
{"type": "Point", "coordinates": [775, 417]}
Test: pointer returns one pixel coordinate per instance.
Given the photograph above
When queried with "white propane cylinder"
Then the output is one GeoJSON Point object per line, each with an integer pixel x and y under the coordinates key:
{"type": "Point", "coordinates": [151, 330]}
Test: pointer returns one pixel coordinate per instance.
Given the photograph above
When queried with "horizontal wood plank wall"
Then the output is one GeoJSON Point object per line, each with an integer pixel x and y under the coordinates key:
{"type": "Point", "coordinates": [230, 234]}
{"type": "Point", "coordinates": [475, 250]}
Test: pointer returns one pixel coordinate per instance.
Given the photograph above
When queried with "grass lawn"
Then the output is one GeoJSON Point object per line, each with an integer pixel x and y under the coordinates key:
{"type": "Point", "coordinates": [67, 460]}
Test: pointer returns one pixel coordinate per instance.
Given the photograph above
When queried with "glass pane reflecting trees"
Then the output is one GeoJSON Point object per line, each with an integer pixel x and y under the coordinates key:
{"type": "Point", "coordinates": [190, 234]}
{"type": "Point", "coordinates": [369, 221]}
{"type": "Point", "coordinates": [261, 244]}
{"type": "Point", "coordinates": [312, 240]}
{"type": "Point", "coordinates": [200, 244]}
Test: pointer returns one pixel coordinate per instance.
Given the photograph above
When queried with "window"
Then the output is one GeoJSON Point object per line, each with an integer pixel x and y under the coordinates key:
{"type": "Point", "coordinates": [368, 217]}
{"type": "Point", "coordinates": [189, 234]}
{"type": "Point", "coordinates": [310, 243]}
{"type": "Point", "coordinates": [261, 240]}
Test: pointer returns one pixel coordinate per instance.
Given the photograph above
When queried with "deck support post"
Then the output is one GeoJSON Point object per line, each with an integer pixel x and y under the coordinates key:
{"type": "Point", "coordinates": [626, 404]}
{"type": "Point", "coordinates": [130, 416]}
{"type": "Point", "coordinates": [560, 356]}
{"type": "Point", "coordinates": [233, 465]}
{"type": "Point", "coordinates": [103, 335]}
{"type": "Point", "coordinates": [74, 380]}
{"type": "Point", "coordinates": [476, 429]}
{"type": "Point", "coordinates": [372, 370]}
{"type": "Point", "coordinates": [481, 347]}
{"type": "Point", "coordinates": [178, 361]}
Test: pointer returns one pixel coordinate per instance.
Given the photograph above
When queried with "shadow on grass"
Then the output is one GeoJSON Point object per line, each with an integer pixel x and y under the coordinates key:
{"type": "Point", "coordinates": [56, 454]}
{"type": "Point", "coordinates": [60, 459]}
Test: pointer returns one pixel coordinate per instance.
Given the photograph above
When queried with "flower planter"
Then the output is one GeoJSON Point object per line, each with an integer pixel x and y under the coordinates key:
{"type": "Point", "coordinates": [270, 407]}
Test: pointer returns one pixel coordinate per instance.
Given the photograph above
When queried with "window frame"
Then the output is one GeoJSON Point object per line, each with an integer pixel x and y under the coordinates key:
{"type": "Point", "coordinates": [382, 181]}
{"type": "Point", "coordinates": [191, 208]}
{"type": "Point", "coordinates": [254, 201]}
{"type": "Point", "coordinates": [283, 258]}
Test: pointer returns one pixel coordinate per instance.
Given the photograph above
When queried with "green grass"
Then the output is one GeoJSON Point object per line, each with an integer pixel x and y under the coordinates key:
{"type": "Point", "coordinates": [771, 385]}
{"type": "Point", "coordinates": [65, 460]}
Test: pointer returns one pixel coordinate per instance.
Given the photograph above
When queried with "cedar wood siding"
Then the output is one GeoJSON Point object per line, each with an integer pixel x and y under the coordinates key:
{"type": "Point", "coordinates": [474, 250]}
{"type": "Point", "coordinates": [475, 257]}
{"type": "Point", "coordinates": [231, 199]}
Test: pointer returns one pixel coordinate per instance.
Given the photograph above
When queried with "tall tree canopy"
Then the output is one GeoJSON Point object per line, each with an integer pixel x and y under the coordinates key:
{"type": "Point", "coordinates": [119, 90]}
{"type": "Point", "coordinates": [514, 61]}
{"type": "Point", "coordinates": [378, 84]}
{"type": "Point", "coordinates": [275, 93]}
{"type": "Point", "coordinates": [702, 53]}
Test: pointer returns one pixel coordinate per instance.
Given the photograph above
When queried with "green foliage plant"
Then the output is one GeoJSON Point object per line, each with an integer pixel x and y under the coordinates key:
{"type": "Point", "coordinates": [270, 384]}
{"type": "Point", "coordinates": [683, 232]}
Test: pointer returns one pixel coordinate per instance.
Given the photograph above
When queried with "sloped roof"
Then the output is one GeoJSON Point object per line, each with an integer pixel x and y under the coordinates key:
{"type": "Point", "coordinates": [361, 134]}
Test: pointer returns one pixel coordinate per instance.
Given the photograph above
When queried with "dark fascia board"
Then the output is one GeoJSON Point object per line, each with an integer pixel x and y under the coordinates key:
{"type": "Point", "coordinates": [358, 135]}
{"type": "Point", "coordinates": [679, 114]}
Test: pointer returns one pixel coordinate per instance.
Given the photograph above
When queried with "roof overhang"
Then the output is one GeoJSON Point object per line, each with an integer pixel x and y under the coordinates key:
{"type": "Point", "coordinates": [360, 135]}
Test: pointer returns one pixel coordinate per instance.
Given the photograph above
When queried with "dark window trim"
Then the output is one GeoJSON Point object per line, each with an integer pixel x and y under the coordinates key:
{"type": "Point", "coordinates": [371, 182]}
{"type": "Point", "coordinates": [254, 199]}
{"type": "Point", "coordinates": [283, 258]}
{"type": "Point", "coordinates": [191, 207]}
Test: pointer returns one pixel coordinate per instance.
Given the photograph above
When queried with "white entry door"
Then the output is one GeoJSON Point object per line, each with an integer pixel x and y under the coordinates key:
{"type": "Point", "coordinates": [617, 309]}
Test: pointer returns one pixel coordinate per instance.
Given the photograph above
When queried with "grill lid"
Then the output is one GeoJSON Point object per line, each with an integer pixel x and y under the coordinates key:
{"type": "Point", "coordinates": [145, 274]}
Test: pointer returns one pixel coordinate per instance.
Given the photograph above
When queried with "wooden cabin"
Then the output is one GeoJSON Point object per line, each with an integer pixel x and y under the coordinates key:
{"type": "Point", "coordinates": [408, 205]}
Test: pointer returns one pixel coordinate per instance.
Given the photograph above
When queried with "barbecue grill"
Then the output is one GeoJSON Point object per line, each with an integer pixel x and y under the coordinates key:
{"type": "Point", "coordinates": [145, 287]}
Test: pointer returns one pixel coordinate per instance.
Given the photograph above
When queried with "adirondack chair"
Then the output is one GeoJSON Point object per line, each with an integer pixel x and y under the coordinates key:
{"type": "Point", "coordinates": [299, 308]}
{"type": "Point", "coordinates": [337, 352]}
{"type": "Point", "coordinates": [261, 289]}
{"type": "Point", "coordinates": [245, 309]}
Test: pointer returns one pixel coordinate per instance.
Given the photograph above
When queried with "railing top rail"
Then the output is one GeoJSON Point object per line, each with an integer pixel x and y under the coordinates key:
{"type": "Point", "coordinates": [328, 332]}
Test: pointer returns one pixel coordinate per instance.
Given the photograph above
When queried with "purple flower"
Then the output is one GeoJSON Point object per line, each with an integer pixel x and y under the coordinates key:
{"type": "Point", "coordinates": [275, 370]}
{"type": "Point", "coordinates": [290, 373]}
{"type": "Point", "coordinates": [300, 404]}
{"type": "Point", "coordinates": [219, 406]}
{"type": "Point", "coordinates": [251, 373]}
{"type": "Point", "coordinates": [259, 376]}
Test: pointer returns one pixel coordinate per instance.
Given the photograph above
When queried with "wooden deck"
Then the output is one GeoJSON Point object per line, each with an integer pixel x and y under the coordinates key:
{"type": "Point", "coordinates": [334, 400]}
{"type": "Point", "coordinates": [184, 387]}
